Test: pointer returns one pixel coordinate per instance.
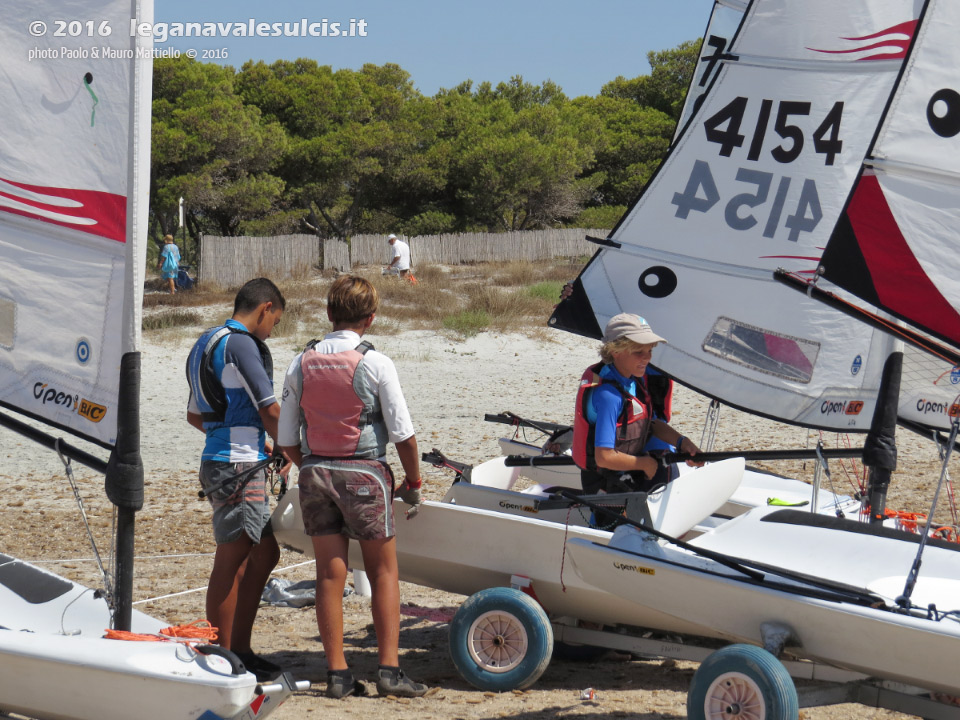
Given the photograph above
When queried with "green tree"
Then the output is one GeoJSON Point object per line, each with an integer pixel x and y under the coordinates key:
{"type": "Point", "coordinates": [636, 140]}
{"type": "Point", "coordinates": [665, 88]}
{"type": "Point", "coordinates": [211, 149]}
{"type": "Point", "coordinates": [519, 156]}
{"type": "Point", "coordinates": [359, 140]}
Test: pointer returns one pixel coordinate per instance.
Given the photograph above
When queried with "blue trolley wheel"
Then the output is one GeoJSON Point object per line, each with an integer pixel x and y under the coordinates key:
{"type": "Point", "coordinates": [742, 682]}
{"type": "Point", "coordinates": [501, 639]}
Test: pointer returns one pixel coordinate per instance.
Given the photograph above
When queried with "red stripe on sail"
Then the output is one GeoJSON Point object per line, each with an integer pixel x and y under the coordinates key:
{"type": "Point", "coordinates": [91, 211]}
{"type": "Point", "coordinates": [898, 279]}
{"type": "Point", "coordinates": [898, 46]}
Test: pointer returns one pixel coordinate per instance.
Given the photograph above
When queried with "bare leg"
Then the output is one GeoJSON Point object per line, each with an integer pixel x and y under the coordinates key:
{"type": "Point", "coordinates": [331, 552]}
{"type": "Point", "coordinates": [380, 563]}
{"type": "Point", "coordinates": [261, 561]}
{"type": "Point", "coordinates": [225, 580]}
{"type": "Point", "coordinates": [173, 288]}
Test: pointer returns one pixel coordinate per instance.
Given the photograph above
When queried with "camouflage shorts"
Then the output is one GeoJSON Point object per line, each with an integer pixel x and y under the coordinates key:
{"type": "Point", "coordinates": [352, 497]}
{"type": "Point", "coordinates": [237, 510]}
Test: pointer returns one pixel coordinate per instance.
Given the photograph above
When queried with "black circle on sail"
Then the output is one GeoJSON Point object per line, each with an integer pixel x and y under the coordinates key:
{"type": "Point", "coordinates": [657, 281]}
{"type": "Point", "coordinates": [947, 123]}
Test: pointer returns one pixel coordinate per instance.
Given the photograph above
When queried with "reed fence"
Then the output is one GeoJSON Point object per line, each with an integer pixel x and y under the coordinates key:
{"type": "Point", "coordinates": [231, 261]}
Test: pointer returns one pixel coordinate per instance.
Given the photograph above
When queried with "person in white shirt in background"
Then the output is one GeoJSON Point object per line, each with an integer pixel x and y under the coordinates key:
{"type": "Point", "coordinates": [400, 265]}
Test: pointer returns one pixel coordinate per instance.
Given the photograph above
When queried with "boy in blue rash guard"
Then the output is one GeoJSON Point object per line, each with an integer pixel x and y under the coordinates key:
{"type": "Point", "coordinates": [614, 416]}
{"type": "Point", "coordinates": [232, 401]}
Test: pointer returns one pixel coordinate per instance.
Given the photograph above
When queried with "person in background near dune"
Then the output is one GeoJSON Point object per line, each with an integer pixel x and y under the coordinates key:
{"type": "Point", "coordinates": [342, 403]}
{"type": "Point", "coordinates": [232, 401]}
{"type": "Point", "coordinates": [614, 418]}
{"type": "Point", "coordinates": [400, 265]}
{"type": "Point", "coordinates": [168, 265]}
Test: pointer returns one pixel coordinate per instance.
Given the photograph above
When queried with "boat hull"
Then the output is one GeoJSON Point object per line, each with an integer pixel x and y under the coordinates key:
{"type": "Point", "coordinates": [877, 642]}
{"type": "Point", "coordinates": [55, 663]}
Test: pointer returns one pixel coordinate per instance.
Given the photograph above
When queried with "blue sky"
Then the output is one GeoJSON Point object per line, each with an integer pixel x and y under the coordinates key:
{"type": "Point", "coordinates": [579, 45]}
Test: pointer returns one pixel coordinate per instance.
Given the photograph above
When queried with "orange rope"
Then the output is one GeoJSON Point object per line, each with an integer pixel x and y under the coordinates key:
{"type": "Point", "coordinates": [197, 631]}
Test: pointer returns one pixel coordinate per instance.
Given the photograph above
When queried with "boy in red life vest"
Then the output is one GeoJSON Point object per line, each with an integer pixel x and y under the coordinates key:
{"type": "Point", "coordinates": [342, 403]}
{"type": "Point", "coordinates": [614, 418]}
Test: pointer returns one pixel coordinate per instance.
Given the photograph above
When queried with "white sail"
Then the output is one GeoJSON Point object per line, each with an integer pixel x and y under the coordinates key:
{"type": "Point", "coordinates": [896, 244]}
{"type": "Point", "coordinates": [73, 206]}
{"type": "Point", "coordinates": [757, 181]}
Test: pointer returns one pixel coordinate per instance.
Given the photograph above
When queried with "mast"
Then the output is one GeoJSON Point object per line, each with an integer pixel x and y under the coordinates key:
{"type": "Point", "coordinates": [880, 447]}
{"type": "Point", "coordinates": [123, 485]}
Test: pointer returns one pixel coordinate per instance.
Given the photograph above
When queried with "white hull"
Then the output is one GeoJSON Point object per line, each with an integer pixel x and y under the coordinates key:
{"type": "Point", "coordinates": [482, 536]}
{"type": "Point", "coordinates": [893, 646]}
{"type": "Point", "coordinates": [462, 550]}
{"type": "Point", "coordinates": [68, 678]}
{"type": "Point", "coordinates": [55, 664]}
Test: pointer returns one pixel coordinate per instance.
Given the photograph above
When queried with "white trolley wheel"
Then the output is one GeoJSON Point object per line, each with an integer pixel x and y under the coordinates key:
{"type": "Point", "coordinates": [742, 682]}
{"type": "Point", "coordinates": [501, 639]}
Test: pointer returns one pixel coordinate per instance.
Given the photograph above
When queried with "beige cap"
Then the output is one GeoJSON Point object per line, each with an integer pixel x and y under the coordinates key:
{"type": "Point", "coordinates": [634, 327]}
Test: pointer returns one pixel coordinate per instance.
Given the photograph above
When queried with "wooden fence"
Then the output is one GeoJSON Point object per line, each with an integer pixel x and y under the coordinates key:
{"type": "Point", "coordinates": [478, 247]}
{"type": "Point", "coordinates": [231, 261]}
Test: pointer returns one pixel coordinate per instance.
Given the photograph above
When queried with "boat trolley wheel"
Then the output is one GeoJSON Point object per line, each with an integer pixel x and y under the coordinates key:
{"type": "Point", "coordinates": [501, 639]}
{"type": "Point", "coordinates": [742, 682]}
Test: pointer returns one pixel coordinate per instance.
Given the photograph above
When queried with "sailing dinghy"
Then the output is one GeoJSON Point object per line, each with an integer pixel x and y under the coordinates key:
{"type": "Point", "coordinates": [825, 125]}
{"type": "Point", "coordinates": [74, 176]}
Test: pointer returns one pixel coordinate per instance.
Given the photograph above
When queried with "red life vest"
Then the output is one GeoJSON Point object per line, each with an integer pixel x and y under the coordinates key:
{"type": "Point", "coordinates": [341, 413]}
{"type": "Point", "coordinates": [633, 424]}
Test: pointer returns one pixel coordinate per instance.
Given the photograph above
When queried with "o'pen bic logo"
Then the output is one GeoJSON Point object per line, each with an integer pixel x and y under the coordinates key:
{"type": "Point", "coordinates": [857, 364]}
{"type": "Point", "coordinates": [955, 375]}
{"type": "Point", "coordinates": [83, 351]}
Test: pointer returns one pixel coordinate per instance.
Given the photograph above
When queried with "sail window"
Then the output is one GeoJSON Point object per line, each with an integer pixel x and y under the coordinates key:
{"type": "Point", "coordinates": [762, 350]}
{"type": "Point", "coordinates": [8, 322]}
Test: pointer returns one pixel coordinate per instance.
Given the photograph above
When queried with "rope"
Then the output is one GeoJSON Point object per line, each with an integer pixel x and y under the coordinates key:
{"type": "Point", "coordinates": [710, 424]}
{"type": "Point", "coordinates": [904, 600]}
{"type": "Point", "coordinates": [197, 632]}
{"type": "Point", "coordinates": [951, 497]}
{"type": "Point", "coordinates": [201, 589]}
{"type": "Point", "coordinates": [826, 471]}
{"type": "Point", "coordinates": [83, 513]}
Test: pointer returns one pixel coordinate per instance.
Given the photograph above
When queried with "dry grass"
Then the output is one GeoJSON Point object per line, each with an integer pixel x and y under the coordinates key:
{"type": "Point", "coordinates": [507, 297]}
{"type": "Point", "coordinates": [167, 319]}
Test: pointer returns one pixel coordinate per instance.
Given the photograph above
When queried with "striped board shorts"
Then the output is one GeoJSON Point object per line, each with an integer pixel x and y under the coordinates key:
{"type": "Point", "coordinates": [347, 496]}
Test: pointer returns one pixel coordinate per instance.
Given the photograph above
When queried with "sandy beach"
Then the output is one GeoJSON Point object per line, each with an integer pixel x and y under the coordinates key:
{"type": "Point", "coordinates": [449, 384]}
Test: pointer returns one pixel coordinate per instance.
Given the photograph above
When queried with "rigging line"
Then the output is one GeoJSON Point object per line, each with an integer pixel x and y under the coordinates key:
{"type": "Point", "coordinates": [951, 497]}
{"type": "Point", "coordinates": [710, 424]}
{"type": "Point", "coordinates": [83, 513]}
{"type": "Point", "coordinates": [199, 589]}
{"type": "Point", "coordinates": [904, 600]}
{"type": "Point", "coordinates": [826, 471]}
{"type": "Point", "coordinates": [136, 557]}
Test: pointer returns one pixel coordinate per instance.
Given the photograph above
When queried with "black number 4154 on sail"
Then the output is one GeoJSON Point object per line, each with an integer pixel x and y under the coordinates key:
{"type": "Point", "coordinates": [723, 128]}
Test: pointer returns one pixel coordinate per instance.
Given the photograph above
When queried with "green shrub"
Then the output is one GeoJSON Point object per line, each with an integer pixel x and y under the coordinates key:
{"type": "Point", "coordinates": [467, 322]}
{"type": "Point", "coordinates": [548, 290]}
